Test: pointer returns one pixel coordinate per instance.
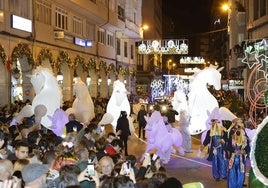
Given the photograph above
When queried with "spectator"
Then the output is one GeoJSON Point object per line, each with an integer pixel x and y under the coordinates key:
{"type": "Point", "coordinates": [171, 115]}
{"type": "Point", "coordinates": [105, 166]}
{"type": "Point", "coordinates": [21, 151]}
{"type": "Point", "coordinates": [111, 136]}
{"type": "Point", "coordinates": [141, 120]}
{"type": "Point", "coordinates": [73, 125]}
{"type": "Point", "coordinates": [3, 144]}
{"type": "Point", "coordinates": [34, 175]}
{"type": "Point", "coordinates": [114, 147]}
{"type": "Point", "coordinates": [171, 182]}
{"type": "Point", "coordinates": [6, 169]}
{"type": "Point", "coordinates": [122, 129]}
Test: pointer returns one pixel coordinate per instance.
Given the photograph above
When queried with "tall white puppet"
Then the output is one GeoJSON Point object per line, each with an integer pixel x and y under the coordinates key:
{"type": "Point", "coordinates": [118, 101]}
{"type": "Point", "coordinates": [201, 101]}
{"type": "Point", "coordinates": [83, 106]}
{"type": "Point", "coordinates": [46, 103]}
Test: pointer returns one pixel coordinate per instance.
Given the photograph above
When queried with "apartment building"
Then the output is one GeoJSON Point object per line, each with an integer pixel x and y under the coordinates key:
{"type": "Point", "coordinates": [91, 39]}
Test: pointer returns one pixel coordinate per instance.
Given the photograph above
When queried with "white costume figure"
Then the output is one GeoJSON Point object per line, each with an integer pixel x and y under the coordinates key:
{"type": "Point", "coordinates": [179, 102]}
{"type": "Point", "coordinates": [118, 101]}
{"type": "Point", "coordinates": [47, 100]}
{"type": "Point", "coordinates": [184, 130]}
{"type": "Point", "coordinates": [201, 100]}
{"type": "Point", "coordinates": [83, 106]}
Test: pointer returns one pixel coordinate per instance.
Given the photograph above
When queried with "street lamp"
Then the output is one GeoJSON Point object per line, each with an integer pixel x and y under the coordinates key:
{"type": "Point", "coordinates": [60, 77]}
{"type": "Point", "coordinates": [109, 80]}
{"type": "Point", "coordinates": [88, 80]}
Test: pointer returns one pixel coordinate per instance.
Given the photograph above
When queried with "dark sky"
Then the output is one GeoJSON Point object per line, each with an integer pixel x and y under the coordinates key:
{"type": "Point", "coordinates": [189, 16]}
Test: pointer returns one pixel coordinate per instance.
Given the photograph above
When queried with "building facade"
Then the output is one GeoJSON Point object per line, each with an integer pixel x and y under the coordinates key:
{"type": "Point", "coordinates": [93, 39]}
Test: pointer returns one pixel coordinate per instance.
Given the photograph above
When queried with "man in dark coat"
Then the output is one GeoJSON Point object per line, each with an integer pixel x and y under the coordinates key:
{"type": "Point", "coordinates": [122, 129]}
{"type": "Point", "coordinates": [141, 120]}
{"type": "Point", "coordinates": [171, 115]}
{"type": "Point", "coordinates": [73, 125]}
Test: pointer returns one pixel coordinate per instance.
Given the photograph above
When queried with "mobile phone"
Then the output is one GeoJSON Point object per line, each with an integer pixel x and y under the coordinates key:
{"type": "Point", "coordinates": [91, 169]}
{"type": "Point", "coordinates": [127, 167]}
{"type": "Point", "coordinates": [154, 157]}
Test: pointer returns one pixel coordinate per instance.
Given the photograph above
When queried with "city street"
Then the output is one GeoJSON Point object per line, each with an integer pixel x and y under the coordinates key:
{"type": "Point", "coordinates": [188, 168]}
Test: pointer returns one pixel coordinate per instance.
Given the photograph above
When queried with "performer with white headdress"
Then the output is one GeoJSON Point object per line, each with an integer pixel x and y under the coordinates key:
{"type": "Point", "coordinates": [118, 101]}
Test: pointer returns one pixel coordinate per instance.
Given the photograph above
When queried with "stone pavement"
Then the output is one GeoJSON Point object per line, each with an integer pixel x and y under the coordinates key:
{"type": "Point", "coordinates": [187, 168]}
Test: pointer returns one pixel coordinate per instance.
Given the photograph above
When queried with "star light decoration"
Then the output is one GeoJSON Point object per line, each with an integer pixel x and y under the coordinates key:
{"type": "Point", "coordinates": [255, 53]}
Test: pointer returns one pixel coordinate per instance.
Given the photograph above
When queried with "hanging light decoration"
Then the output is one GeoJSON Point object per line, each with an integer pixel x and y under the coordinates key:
{"type": "Point", "coordinates": [171, 46]}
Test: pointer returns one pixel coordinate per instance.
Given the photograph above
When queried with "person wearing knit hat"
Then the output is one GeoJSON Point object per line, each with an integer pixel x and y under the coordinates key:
{"type": "Point", "coordinates": [34, 175]}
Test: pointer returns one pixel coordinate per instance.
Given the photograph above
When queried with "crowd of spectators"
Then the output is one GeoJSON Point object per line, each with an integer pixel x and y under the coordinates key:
{"type": "Point", "coordinates": [33, 157]}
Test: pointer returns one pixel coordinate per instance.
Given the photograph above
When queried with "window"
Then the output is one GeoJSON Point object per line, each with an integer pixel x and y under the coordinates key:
{"type": "Point", "coordinates": [101, 36]}
{"type": "Point", "coordinates": [125, 49]}
{"type": "Point", "coordinates": [121, 13]}
{"type": "Point", "coordinates": [131, 51]}
{"type": "Point", "coordinates": [110, 39]}
{"type": "Point", "coordinates": [90, 31]}
{"type": "Point", "coordinates": [19, 8]}
{"type": "Point", "coordinates": [118, 46]}
{"type": "Point", "coordinates": [135, 17]}
{"type": "Point", "coordinates": [1, 4]}
{"type": "Point", "coordinates": [61, 19]}
{"type": "Point", "coordinates": [262, 8]}
{"type": "Point", "coordinates": [77, 25]}
{"type": "Point", "coordinates": [43, 11]}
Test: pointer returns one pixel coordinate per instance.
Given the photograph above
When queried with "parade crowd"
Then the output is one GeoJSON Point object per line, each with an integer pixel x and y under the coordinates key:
{"type": "Point", "coordinates": [88, 155]}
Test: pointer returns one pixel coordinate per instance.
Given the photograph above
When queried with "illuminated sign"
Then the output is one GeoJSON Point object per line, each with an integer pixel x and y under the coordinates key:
{"type": "Point", "coordinates": [236, 84]}
{"type": "Point", "coordinates": [21, 23]}
{"type": "Point", "coordinates": [82, 42]}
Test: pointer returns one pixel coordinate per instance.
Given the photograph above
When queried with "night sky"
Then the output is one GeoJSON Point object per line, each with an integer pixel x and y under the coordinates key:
{"type": "Point", "coordinates": [189, 16]}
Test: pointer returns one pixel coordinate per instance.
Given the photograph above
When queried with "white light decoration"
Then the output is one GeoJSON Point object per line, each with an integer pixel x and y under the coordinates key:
{"type": "Point", "coordinates": [157, 88]}
{"type": "Point", "coordinates": [171, 46]}
{"type": "Point", "coordinates": [192, 60]}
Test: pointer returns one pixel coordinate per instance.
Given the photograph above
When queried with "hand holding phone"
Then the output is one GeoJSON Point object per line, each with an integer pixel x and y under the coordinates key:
{"type": "Point", "coordinates": [91, 169]}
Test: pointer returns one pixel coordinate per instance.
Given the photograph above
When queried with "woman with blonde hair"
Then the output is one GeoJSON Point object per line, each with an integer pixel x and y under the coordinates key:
{"type": "Point", "coordinates": [217, 138]}
{"type": "Point", "coordinates": [237, 166]}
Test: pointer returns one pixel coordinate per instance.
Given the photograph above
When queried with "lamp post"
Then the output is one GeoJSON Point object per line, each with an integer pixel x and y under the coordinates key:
{"type": "Point", "coordinates": [60, 77]}
{"type": "Point", "coordinates": [88, 80]}
{"type": "Point", "coordinates": [108, 82]}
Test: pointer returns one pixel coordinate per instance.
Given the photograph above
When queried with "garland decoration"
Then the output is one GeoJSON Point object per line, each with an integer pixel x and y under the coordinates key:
{"type": "Point", "coordinates": [92, 64]}
{"type": "Point", "coordinates": [2, 54]}
{"type": "Point", "coordinates": [121, 70]}
{"type": "Point", "coordinates": [103, 65]}
{"type": "Point", "coordinates": [78, 60]}
{"type": "Point", "coordinates": [20, 50]}
{"type": "Point", "coordinates": [266, 97]}
{"type": "Point", "coordinates": [64, 58]}
{"type": "Point", "coordinates": [45, 53]}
